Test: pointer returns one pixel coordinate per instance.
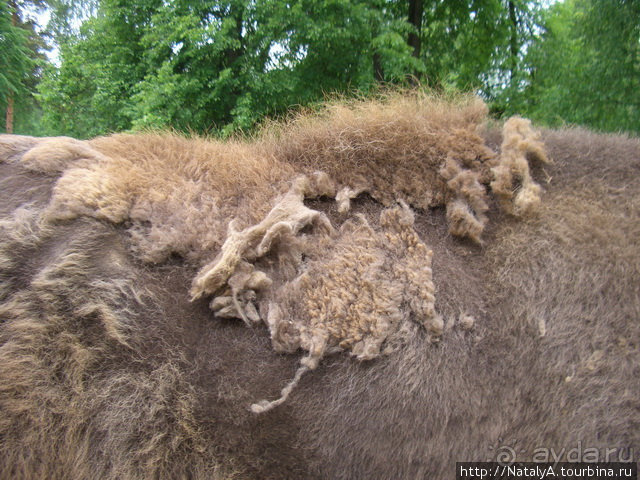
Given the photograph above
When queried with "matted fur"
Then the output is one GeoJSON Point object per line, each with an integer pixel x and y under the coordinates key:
{"type": "Point", "coordinates": [396, 148]}
{"type": "Point", "coordinates": [393, 147]}
{"type": "Point", "coordinates": [178, 194]}
{"type": "Point", "coordinates": [109, 371]}
{"type": "Point", "coordinates": [355, 290]}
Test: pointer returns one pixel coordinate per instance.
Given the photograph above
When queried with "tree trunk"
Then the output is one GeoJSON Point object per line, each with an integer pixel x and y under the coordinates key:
{"type": "Point", "coordinates": [9, 118]}
{"type": "Point", "coordinates": [9, 114]}
{"type": "Point", "coordinates": [513, 44]}
{"type": "Point", "coordinates": [233, 54]}
{"type": "Point", "coordinates": [378, 71]}
{"type": "Point", "coordinates": [416, 8]}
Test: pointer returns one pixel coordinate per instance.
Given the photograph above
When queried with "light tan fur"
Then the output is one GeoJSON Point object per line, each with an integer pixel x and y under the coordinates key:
{"type": "Point", "coordinates": [353, 293]}
{"type": "Point", "coordinates": [395, 148]}
{"type": "Point", "coordinates": [288, 216]}
{"type": "Point", "coordinates": [516, 190]}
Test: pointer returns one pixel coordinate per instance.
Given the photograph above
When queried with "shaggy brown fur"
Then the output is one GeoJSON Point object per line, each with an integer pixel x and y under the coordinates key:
{"type": "Point", "coordinates": [395, 149]}
{"type": "Point", "coordinates": [183, 207]}
{"type": "Point", "coordinates": [77, 389]}
{"type": "Point", "coordinates": [110, 372]}
{"type": "Point", "coordinates": [419, 149]}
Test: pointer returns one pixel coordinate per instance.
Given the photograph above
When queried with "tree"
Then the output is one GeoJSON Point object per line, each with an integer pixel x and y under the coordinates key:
{"type": "Point", "coordinates": [16, 60]}
{"type": "Point", "coordinates": [236, 61]}
{"type": "Point", "coordinates": [91, 92]}
{"type": "Point", "coordinates": [223, 65]}
{"type": "Point", "coordinates": [584, 67]}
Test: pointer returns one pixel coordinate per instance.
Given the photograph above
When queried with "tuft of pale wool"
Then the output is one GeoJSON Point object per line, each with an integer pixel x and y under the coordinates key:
{"type": "Point", "coordinates": [287, 217]}
{"type": "Point", "coordinates": [436, 327]}
{"type": "Point", "coordinates": [467, 201]}
{"type": "Point", "coordinates": [345, 195]}
{"type": "Point", "coordinates": [54, 155]}
{"type": "Point", "coordinates": [354, 290]}
{"type": "Point", "coordinates": [512, 174]}
{"type": "Point", "coordinates": [542, 327]}
{"type": "Point", "coordinates": [466, 321]}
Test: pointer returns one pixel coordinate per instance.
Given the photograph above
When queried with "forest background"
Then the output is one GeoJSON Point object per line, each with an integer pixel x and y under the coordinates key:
{"type": "Point", "coordinates": [91, 67]}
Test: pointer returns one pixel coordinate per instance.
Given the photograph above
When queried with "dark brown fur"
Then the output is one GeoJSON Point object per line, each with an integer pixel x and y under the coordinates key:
{"type": "Point", "coordinates": [108, 371]}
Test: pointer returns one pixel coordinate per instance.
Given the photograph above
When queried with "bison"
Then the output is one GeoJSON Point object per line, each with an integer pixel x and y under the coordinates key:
{"type": "Point", "coordinates": [378, 289]}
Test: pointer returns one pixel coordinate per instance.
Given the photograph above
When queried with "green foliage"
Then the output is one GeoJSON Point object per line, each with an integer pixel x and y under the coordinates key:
{"type": "Point", "coordinates": [234, 62]}
{"type": "Point", "coordinates": [19, 59]}
{"type": "Point", "coordinates": [463, 37]}
{"type": "Point", "coordinates": [584, 68]}
{"type": "Point", "coordinates": [15, 61]}
{"type": "Point", "coordinates": [221, 66]}
{"type": "Point", "coordinates": [90, 93]}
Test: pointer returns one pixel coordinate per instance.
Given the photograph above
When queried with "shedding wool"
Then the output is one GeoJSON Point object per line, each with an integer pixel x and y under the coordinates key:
{"type": "Point", "coordinates": [355, 294]}
{"type": "Point", "coordinates": [236, 211]}
{"type": "Point", "coordinates": [330, 291]}
{"type": "Point", "coordinates": [350, 290]}
{"type": "Point", "coordinates": [516, 191]}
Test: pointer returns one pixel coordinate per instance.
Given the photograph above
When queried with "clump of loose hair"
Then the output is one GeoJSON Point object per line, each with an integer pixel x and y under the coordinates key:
{"type": "Point", "coordinates": [516, 190]}
{"type": "Point", "coordinates": [393, 146]}
{"type": "Point", "coordinates": [466, 201]}
{"type": "Point", "coordinates": [354, 290]}
{"type": "Point", "coordinates": [288, 216]}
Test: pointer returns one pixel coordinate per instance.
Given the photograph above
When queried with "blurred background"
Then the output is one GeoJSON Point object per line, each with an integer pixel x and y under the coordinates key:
{"type": "Point", "coordinates": [91, 67]}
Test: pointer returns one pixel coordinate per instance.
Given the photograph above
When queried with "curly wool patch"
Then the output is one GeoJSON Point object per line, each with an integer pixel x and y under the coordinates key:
{"type": "Point", "coordinates": [353, 290]}
{"type": "Point", "coordinates": [466, 201]}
